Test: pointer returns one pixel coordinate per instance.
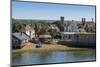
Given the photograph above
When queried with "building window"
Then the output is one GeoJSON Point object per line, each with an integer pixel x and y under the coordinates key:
{"type": "Point", "coordinates": [69, 36]}
{"type": "Point", "coordinates": [77, 36]}
{"type": "Point", "coordinates": [15, 42]}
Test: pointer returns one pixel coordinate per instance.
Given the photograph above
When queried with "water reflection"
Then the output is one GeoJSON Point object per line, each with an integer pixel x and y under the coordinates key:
{"type": "Point", "coordinates": [31, 57]}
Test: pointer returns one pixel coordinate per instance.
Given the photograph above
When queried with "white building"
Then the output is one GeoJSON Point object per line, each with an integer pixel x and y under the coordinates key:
{"type": "Point", "coordinates": [30, 31]}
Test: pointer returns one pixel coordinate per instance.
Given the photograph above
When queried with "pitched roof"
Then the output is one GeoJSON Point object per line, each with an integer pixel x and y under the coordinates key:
{"type": "Point", "coordinates": [21, 36]}
{"type": "Point", "coordinates": [45, 36]}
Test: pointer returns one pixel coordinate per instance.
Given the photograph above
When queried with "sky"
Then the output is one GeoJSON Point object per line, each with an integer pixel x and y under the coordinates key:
{"type": "Point", "coordinates": [48, 11]}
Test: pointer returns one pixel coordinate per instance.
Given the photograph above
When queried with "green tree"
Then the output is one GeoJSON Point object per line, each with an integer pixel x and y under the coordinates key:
{"type": "Point", "coordinates": [16, 26]}
{"type": "Point", "coordinates": [41, 27]}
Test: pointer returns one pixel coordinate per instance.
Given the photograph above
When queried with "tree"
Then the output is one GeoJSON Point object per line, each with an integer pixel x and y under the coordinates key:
{"type": "Point", "coordinates": [16, 26]}
{"type": "Point", "coordinates": [59, 25]}
{"type": "Point", "coordinates": [41, 27]}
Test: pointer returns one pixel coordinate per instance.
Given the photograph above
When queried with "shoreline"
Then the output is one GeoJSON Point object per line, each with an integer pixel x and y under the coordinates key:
{"type": "Point", "coordinates": [49, 47]}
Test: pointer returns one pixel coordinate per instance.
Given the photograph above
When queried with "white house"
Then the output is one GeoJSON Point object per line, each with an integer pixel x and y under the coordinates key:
{"type": "Point", "coordinates": [30, 31]}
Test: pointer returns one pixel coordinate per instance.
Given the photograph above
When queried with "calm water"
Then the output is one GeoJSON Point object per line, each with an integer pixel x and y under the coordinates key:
{"type": "Point", "coordinates": [31, 57]}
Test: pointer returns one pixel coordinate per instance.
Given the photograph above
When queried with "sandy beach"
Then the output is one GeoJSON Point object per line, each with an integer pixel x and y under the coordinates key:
{"type": "Point", "coordinates": [46, 47]}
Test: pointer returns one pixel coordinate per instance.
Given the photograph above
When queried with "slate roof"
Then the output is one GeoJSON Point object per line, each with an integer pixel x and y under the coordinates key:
{"type": "Point", "coordinates": [21, 36]}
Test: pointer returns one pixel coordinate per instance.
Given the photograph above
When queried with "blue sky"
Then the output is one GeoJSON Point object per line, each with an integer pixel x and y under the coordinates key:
{"type": "Point", "coordinates": [30, 10]}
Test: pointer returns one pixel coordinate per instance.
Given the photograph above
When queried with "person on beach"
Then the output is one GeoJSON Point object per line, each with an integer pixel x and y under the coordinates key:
{"type": "Point", "coordinates": [38, 41]}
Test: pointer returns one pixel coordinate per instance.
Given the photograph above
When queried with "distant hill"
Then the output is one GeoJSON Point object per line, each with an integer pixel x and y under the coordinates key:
{"type": "Point", "coordinates": [32, 21]}
{"type": "Point", "coordinates": [48, 21]}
